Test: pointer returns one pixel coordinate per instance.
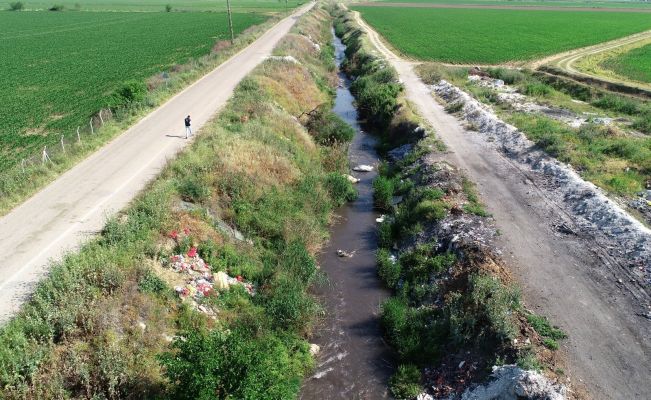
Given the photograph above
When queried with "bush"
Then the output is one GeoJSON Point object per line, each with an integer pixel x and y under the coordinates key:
{"type": "Point", "coordinates": [327, 128]}
{"type": "Point", "coordinates": [231, 365]}
{"type": "Point", "coordinates": [383, 189]}
{"type": "Point", "coordinates": [130, 92]}
{"type": "Point", "coordinates": [385, 235]}
{"type": "Point", "coordinates": [193, 188]}
{"type": "Point", "coordinates": [56, 7]}
{"type": "Point", "coordinates": [509, 76]}
{"type": "Point", "coordinates": [377, 97]}
{"type": "Point", "coordinates": [168, 7]}
{"type": "Point", "coordinates": [405, 383]}
{"type": "Point", "coordinates": [16, 6]}
{"type": "Point", "coordinates": [454, 107]}
{"type": "Point", "coordinates": [536, 89]}
{"type": "Point", "coordinates": [617, 103]}
{"type": "Point", "coordinates": [388, 269]}
{"type": "Point", "coordinates": [340, 188]}
{"type": "Point", "coordinates": [430, 210]}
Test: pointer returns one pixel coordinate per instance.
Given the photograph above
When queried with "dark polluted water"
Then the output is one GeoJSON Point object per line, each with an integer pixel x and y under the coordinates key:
{"type": "Point", "coordinates": [354, 361]}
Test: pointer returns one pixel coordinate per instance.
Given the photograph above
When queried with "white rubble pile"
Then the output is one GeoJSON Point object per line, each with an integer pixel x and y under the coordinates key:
{"type": "Point", "coordinates": [595, 213]}
{"type": "Point", "coordinates": [512, 383]}
{"type": "Point", "coordinates": [289, 59]}
{"type": "Point", "coordinates": [519, 102]}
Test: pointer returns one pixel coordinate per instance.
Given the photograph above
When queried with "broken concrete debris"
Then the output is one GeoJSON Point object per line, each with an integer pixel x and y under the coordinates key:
{"type": "Point", "coordinates": [513, 383]}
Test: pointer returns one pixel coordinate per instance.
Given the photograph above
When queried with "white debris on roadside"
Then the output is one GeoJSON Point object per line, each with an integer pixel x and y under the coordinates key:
{"type": "Point", "coordinates": [595, 212]}
{"type": "Point", "coordinates": [289, 59]}
{"type": "Point", "coordinates": [380, 219]}
{"type": "Point", "coordinates": [314, 349]}
{"type": "Point", "coordinates": [511, 383]}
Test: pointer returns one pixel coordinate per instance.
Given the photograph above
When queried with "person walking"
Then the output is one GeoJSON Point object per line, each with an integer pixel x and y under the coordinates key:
{"type": "Point", "coordinates": [188, 128]}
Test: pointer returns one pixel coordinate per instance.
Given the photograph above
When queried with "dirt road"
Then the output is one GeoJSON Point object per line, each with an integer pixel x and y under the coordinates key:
{"type": "Point", "coordinates": [564, 277]}
{"type": "Point", "coordinates": [502, 7]}
{"type": "Point", "coordinates": [566, 61]}
{"type": "Point", "coordinates": [74, 207]}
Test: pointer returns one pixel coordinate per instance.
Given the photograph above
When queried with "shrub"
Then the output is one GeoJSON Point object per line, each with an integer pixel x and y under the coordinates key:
{"type": "Point", "coordinates": [168, 7]}
{"type": "Point", "coordinates": [327, 128]}
{"type": "Point", "coordinates": [388, 269]}
{"type": "Point", "coordinates": [16, 5]}
{"type": "Point", "coordinates": [340, 188]}
{"type": "Point", "coordinates": [385, 235]}
{"type": "Point", "coordinates": [405, 383]}
{"type": "Point", "coordinates": [56, 7]}
{"type": "Point", "coordinates": [383, 189]}
{"type": "Point", "coordinates": [536, 89]}
{"type": "Point", "coordinates": [231, 365]}
{"type": "Point", "coordinates": [193, 188]}
{"type": "Point", "coordinates": [287, 304]}
{"type": "Point", "coordinates": [130, 92]}
{"type": "Point", "coordinates": [643, 122]}
{"type": "Point", "coordinates": [617, 103]}
{"type": "Point", "coordinates": [151, 283]}
{"type": "Point", "coordinates": [430, 210]}
{"type": "Point", "coordinates": [541, 325]}
{"type": "Point", "coordinates": [509, 76]}
{"type": "Point", "coordinates": [454, 107]}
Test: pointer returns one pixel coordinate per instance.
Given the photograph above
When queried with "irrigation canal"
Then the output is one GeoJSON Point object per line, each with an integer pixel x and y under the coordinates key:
{"type": "Point", "coordinates": [354, 362]}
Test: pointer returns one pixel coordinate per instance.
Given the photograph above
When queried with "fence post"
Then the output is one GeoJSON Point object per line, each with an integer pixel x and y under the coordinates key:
{"type": "Point", "coordinates": [91, 126]}
{"type": "Point", "coordinates": [63, 147]}
{"type": "Point", "coordinates": [44, 156]}
{"type": "Point", "coordinates": [78, 137]}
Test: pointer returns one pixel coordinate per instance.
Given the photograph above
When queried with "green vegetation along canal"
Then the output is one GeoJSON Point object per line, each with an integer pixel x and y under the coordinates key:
{"type": "Point", "coordinates": [354, 362]}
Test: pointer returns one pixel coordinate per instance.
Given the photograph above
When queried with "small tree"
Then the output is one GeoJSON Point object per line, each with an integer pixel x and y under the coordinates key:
{"type": "Point", "coordinates": [16, 5]}
{"type": "Point", "coordinates": [168, 7]}
{"type": "Point", "coordinates": [56, 7]}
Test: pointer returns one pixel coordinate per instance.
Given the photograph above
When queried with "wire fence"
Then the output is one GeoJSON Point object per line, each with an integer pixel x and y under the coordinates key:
{"type": "Point", "coordinates": [67, 142]}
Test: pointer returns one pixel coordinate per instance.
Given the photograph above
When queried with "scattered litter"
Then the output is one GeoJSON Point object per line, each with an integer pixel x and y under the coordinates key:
{"type": "Point", "coordinates": [380, 219]}
{"type": "Point", "coordinates": [314, 349]}
{"type": "Point", "coordinates": [352, 179]}
{"type": "Point", "coordinates": [343, 253]}
{"type": "Point", "coordinates": [363, 168]}
{"type": "Point", "coordinates": [201, 282]}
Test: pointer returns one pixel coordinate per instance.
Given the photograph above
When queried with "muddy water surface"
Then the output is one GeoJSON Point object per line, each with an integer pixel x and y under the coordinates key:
{"type": "Point", "coordinates": [354, 362]}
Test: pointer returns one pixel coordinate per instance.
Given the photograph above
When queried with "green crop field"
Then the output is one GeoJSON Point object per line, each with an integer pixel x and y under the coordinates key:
{"type": "Point", "coordinates": [636, 64]}
{"type": "Point", "coordinates": [545, 3]}
{"type": "Point", "coordinates": [496, 36]}
{"type": "Point", "coordinates": [60, 68]}
{"type": "Point", "coordinates": [159, 5]}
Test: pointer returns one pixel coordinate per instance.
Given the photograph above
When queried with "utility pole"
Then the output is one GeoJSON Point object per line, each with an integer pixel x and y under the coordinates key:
{"type": "Point", "coordinates": [230, 21]}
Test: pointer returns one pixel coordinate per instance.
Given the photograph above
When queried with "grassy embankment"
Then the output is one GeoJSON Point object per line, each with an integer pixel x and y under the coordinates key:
{"type": "Point", "coordinates": [614, 158]}
{"type": "Point", "coordinates": [64, 89]}
{"type": "Point", "coordinates": [466, 36]}
{"type": "Point", "coordinates": [453, 300]}
{"type": "Point", "coordinates": [161, 5]}
{"type": "Point", "coordinates": [106, 323]}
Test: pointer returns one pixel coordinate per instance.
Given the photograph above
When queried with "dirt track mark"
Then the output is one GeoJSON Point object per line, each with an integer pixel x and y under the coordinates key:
{"type": "Point", "coordinates": [498, 7]}
{"type": "Point", "coordinates": [566, 277]}
{"type": "Point", "coordinates": [565, 61]}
